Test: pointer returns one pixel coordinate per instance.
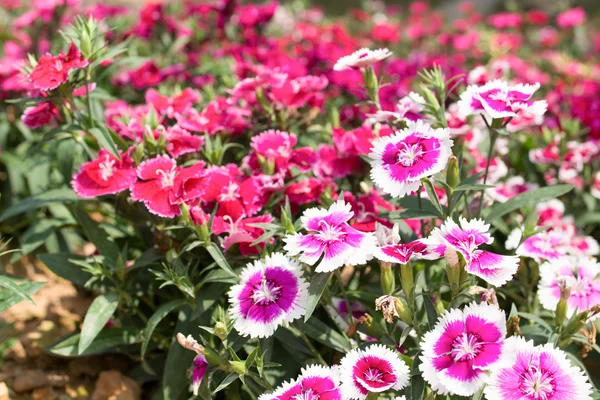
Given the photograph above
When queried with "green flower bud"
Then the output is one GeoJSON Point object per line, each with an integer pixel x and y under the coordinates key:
{"type": "Point", "coordinates": [452, 173]}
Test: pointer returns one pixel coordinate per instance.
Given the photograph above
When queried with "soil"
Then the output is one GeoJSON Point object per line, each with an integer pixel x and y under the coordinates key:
{"type": "Point", "coordinates": [27, 371]}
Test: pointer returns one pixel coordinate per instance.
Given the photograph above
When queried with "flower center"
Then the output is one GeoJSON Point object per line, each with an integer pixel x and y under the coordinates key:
{"type": "Point", "coordinates": [306, 394]}
{"type": "Point", "coordinates": [466, 347]}
{"type": "Point", "coordinates": [231, 192]}
{"type": "Point", "coordinates": [330, 233]}
{"type": "Point", "coordinates": [266, 292]}
{"type": "Point", "coordinates": [106, 169]}
{"type": "Point", "coordinates": [500, 96]}
{"type": "Point", "coordinates": [167, 177]}
{"type": "Point", "coordinates": [373, 375]}
{"type": "Point", "coordinates": [537, 384]}
{"type": "Point", "coordinates": [410, 154]}
{"type": "Point", "coordinates": [581, 286]}
{"type": "Point", "coordinates": [58, 65]}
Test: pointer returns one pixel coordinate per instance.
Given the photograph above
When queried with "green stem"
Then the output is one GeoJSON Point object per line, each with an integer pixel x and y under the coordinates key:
{"type": "Point", "coordinates": [493, 137]}
{"type": "Point", "coordinates": [88, 99]}
{"type": "Point", "coordinates": [420, 208]}
{"type": "Point", "coordinates": [372, 396]}
{"type": "Point", "coordinates": [349, 316]}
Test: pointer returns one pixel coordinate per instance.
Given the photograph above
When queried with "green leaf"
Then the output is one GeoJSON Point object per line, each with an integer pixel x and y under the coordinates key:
{"type": "Point", "coordinates": [229, 379]}
{"type": "Point", "coordinates": [105, 140]}
{"type": "Point", "coordinates": [98, 236]}
{"type": "Point", "coordinates": [430, 310]}
{"type": "Point", "coordinates": [315, 291]}
{"type": "Point", "coordinates": [528, 198]}
{"type": "Point", "coordinates": [219, 258]}
{"type": "Point", "coordinates": [206, 298]}
{"type": "Point", "coordinates": [160, 313]}
{"type": "Point", "coordinates": [62, 195]}
{"type": "Point", "coordinates": [102, 308]}
{"type": "Point", "coordinates": [433, 197]}
{"type": "Point", "coordinates": [417, 384]}
{"type": "Point", "coordinates": [326, 335]}
{"type": "Point", "coordinates": [473, 186]}
{"type": "Point", "coordinates": [37, 233]}
{"type": "Point", "coordinates": [63, 266]}
{"type": "Point", "coordinates": [113, 339]}
{"type": "Point", "coordinates": [9, 298]}
{"type": "Point", "coordinates": [9, 284]}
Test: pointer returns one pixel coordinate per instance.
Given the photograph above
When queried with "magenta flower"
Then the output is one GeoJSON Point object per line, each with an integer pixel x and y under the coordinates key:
{"type": "Point", "coordinates": [513, 186]}
{"type": "Point", "coordinates": [361, 59]}
{"type": "Point", "coordinates": [170, 106]}
{"type": "Point", "coordinates": [585, 288]}
{"type": "Point", "coordinates": [52, 71]}
{"type": "Point", "coordinates": [270, 293]}
{"type": "Point", "coordinates": [40, 115]}
{"type": "Point", "coordinates": [198, 372]}
{"type": "Point", "coordinates": [104, 175]}
{"type": "Point", "coordinates": [466, 239]}
{"type": "Point", "coordinates": [498, 99]}
{"type": "Point", "coordinates": [401, 160]}
{"type": "Point", "coordinates": [462, 346]}
{"type": "Point", "coordinates": [332, 238]}
{"type": "Point", "coordinates": [315, 382]}
{"type": "Point", "coordinates": [542, 246]}
{"type": "Point", "coordinates": [528, 372]}
{"type": "Point", "coordinates": [160, 184]}
{"type": "Point", "coordinates": [401, 253]}
{"type": "Point", "coordinates": [374, 369]}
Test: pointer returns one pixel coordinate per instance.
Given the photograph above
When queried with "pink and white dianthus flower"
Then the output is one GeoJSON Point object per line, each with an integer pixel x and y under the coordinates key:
{"type": "Point", "coordinates": [466, 239]}
{"type": "Point", "coordinates": [198, 371]}
{"type": "Point", "coordinates": [541, 246]}
{"type": "Point", "coordinates": [401, 160]}
{"type": "Point", "coordinates": [389, 248]}
{"type": "Point", "coordinates": [513, 186]}
{"type": "Point", "coordinates": [375, 369]}
{"type": "Point", "coordinates": [331, 237]}
{"type": "Point", "coordinates": [105, 175]}
{"type": "Point", "coordinates": [315, 382]}
{"type": "Point", "coordinates": [270, 293]}
{"type": "Point", "coordinates": [498, 99]}
{"type": "Point", "coordinates": [462, 347]}
{"type": "Point", "coordinates": [585, 284]}
{"type": "Point", "coordinates": [528, 372]}
{"type": "Point", "coordinates": [361, 59]}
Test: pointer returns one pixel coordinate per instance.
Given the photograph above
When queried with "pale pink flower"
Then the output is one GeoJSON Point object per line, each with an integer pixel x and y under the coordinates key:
{"type": "Point", "coordinates": [585, 290]}
{"type": "Point", "coordinates": [332, 238]}
{"type": "Point", "coordinates": [401, 160]}
{"type": "Point", "coordinates": [462, 347]}
{"type": "Point", "coordinates": [512, 187]}
{"type": "Point", "coordinates": [375, 369]}
{"type": "Point", "coordinates": [528, 372]}
{"type": "Point", "coordinates": [361, 59]}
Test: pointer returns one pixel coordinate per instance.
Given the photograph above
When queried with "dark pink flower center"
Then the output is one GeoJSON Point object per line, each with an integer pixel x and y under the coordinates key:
{"type": "Point", "coordinates": [266, 292]}
{"type": "Point", "coordinates": [331, 233]}
{"type": "Point", "coordinates": [466, 347]}
{"type": "Point", "coordinates": [410, 154]}
{"type": "Point", "coordinates": [537, 384]}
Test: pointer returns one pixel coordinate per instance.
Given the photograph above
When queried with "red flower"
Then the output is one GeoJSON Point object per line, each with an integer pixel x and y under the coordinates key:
{"type": "Point", "coordinates": [104, 175]}
{"type": "Point", "coordinates": [168, 106]}
{"type": "Point", "coordinates": [161, 184]}
{"type": "Point", "coordinates": [52, 71]}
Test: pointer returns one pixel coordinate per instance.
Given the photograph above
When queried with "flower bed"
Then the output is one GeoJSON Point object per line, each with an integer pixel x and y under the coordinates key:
{"type": "Point", "coordinates": [288, 206]}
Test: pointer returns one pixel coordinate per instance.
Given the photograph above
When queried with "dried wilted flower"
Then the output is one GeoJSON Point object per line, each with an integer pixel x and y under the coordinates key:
{"type": "Point", "coordinates": [189, 343]}
{"type": "Point", "coordinates": [387, 305]}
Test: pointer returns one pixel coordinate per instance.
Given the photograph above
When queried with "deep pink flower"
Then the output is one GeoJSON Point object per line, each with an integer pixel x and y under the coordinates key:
{"type": "Point", "coordinates": [52, 71]}
{"type": "Point", "coordinates": [180, 141]}
{"type": "Point", "coordinates": [305, 191]}
{"type": "Point", "coordinates": [198, 372]}
{"type": "Point", "coordinates": [105, 175]}
{"type": "Point", "coordinates": [462, 346]}
{"type": "Point", "coordinates": [161, 184]}
{"type": "Point", "coordinates": [169, 106]}
{"type": "Point", "coordinates": [219, 116]}
{"type": "Point", "coordinates": [241, 231]}
{"type": "Point", "coordinates": [571, 18]}
{"type": "Point", "coordinates": [296, 93]}
{"type": "Point", "coordinates": [146, 75]}
{"type": "Point", "coordinates": [40, 115]}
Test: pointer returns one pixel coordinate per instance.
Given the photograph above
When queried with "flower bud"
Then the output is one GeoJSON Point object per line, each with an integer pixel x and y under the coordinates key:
{"type": "Point", "coordinates": [407, 278]}
{"type": "Point", "coordinates": [198, 372]}
{"type": "Point", "coordinates": [85, 44]}
{"type": "Point", "coordinates": [565, 283]}
{"type": "Point", "coordinates": [513, 326]}
{"type": "Point", "coordinates": [388, 281]}
{"type": "Point", "coordinates": [239, 367]}
{"type": "Point", "coordinates": [452, 173]}
{"type": "Point", "coordinates": [452, 269]}
{"type": "Point", "coordinates": [393, 307]}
